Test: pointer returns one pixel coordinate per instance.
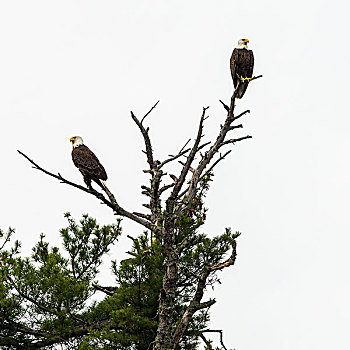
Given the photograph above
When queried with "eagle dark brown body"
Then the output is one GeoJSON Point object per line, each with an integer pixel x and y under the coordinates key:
{"type": "Point", "coordinates": [89, 165]}
{"type": "Point", "coordinates": [242, 64]}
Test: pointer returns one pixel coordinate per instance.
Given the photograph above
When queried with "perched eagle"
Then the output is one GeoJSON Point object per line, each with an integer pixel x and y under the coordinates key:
{"type": "Point", "coordinates": [242, 63]}
{"type": "Point", "coordinates": [88, 164]}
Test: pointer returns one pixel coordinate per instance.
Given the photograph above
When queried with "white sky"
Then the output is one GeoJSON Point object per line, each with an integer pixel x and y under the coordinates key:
{"type": "Point", "coordinates": [78, 67]}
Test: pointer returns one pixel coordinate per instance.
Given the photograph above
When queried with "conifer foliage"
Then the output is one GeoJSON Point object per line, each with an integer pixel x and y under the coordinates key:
{"type": "Point", "coordinates": [156, 299]}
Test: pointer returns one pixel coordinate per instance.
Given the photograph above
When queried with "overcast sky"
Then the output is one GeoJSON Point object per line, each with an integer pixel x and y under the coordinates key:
{"type": "Point", "coordinates": [78, 68]}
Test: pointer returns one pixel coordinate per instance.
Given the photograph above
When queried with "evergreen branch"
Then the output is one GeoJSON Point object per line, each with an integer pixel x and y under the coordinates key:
{"type": "Point", "coordinates": [195, 303]}
{"type": "Point", "coordinates": [11, 325]}
{"type": "Point", "coordinates": [186, 242]}
{"type": "Point", "coordinates": [7, 237]}
{"type": "Point", "coordinates": [56, 339]}
{"type": "Point", "coordinates": [230, 261]}
{"type": "Point", "coordinates": [30, 299]}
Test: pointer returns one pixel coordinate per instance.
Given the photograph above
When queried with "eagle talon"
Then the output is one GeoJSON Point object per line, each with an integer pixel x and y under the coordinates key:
{"type": "Point", "coordinates": [246, 78]}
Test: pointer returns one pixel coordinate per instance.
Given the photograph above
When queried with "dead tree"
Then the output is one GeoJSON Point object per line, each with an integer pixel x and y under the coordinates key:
{"type": "Point", "coordinates": [166, 202]}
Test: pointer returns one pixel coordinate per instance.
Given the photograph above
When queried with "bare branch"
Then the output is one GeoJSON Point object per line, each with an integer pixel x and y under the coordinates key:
{"type": "Point", "coordinates": [220, 141]}
{"type": "Point", "coordinates": [216, 331]}
{"type": "Point", "coordinates": [216, 162]}
{"type": "Point", "coordinates": [206, 304]}
{"type": "Point", "coordinates": [145, 188]}
{"type": "Point", "coordinates": [144, 132]}
{"type": "Point", "coordinates": [257, 77]}
{"type": "Point", "coordinates": [185, 145]}
{"type": "Point", "coordinates": [63, 180]}
{"type": "Point", "coordinates": [233, 98]}
{"type": "Point", "coordinates": [181, 153]}
{"type": "Point", "coordinates": [250, 79]}
{"type": "Point", "coordinates": [144, 216]}
{"type": "Point", "coordinates": [112, 203]}
{"type": "Point", "coordinates": [190, 168]}
{"type": "Point", "coordinates": [166, 187]}
{"type": "Point", "coordinates": [241, 114]}
{"type": "Point", "coordinates": [235, 140]}
{"type": "Point", "coordinates": [144, 117]}
{"type": "Point", "coordinates": [227, 108]}
{"type": "Point", "coordinates": [206, 342]}
{"type": "Point", "coordinates": [203, 145]}
{"type": "Point", "coordinates": [174, 207]}
{"type": "Point", "coordinates": [236, 127]}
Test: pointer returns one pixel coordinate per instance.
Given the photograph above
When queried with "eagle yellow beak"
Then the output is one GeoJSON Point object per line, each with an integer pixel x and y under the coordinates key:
{"type": "Point", "coordinates": [246, 40]}
{"type": "Point", "coordinates": [72, 139]}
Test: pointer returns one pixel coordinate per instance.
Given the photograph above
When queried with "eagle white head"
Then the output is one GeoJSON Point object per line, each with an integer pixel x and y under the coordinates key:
{"type": "Point", "coordinates": [243, 43]}
{"type": "Point", "coordinates": [76, 141]}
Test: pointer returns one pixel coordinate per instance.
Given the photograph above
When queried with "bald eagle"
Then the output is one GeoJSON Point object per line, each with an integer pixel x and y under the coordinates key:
{"type": "Point", "coordinates": [88, 164]}
{"type": "Point", "coordinates": [242, 63]}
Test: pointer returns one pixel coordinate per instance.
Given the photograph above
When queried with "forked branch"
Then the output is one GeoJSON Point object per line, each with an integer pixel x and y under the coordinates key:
{"type": "Point", "coordinates": [190, 158]}
{"type": "Point", "coordinates": [149, 151]}
{"type": "Point", "coordinates": [214, 148]}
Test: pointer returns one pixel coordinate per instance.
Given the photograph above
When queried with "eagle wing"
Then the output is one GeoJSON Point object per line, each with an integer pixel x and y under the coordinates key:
{"type": "Point", "coordinates": [250, 58]}
{"type": "Point", "coordinates": [87, 162]}
{"type": "Point", "coordinates": [233, 65]}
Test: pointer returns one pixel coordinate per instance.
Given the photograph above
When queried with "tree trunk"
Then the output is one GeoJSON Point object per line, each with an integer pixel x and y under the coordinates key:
{"type": "Point", "coordinates": [164, 337]}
